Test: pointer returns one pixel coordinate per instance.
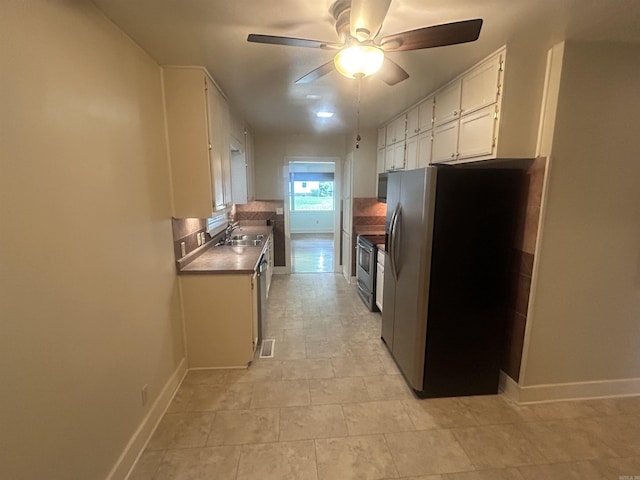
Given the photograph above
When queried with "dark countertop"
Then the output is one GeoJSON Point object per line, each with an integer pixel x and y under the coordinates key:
{"type": "Point", "coordinates": [225, 259]}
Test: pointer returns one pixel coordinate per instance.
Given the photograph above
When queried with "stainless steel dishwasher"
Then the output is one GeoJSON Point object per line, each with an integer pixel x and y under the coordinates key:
{"type": "Point", "coordinates": [263, 267]}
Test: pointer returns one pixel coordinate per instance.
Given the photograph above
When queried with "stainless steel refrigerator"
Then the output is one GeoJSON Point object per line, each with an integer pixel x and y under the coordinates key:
{"type": "Point", "coordinates": [449, 237]}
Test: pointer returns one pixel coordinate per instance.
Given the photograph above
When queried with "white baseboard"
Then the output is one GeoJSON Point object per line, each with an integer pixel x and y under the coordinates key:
{"type": "Point", "coordinates": [568, 391]}
{"type": "Point", "coordinates": [140, 438]}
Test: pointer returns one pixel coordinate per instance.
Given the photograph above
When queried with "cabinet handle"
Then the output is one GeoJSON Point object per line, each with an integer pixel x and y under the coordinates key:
{"type": "Point", "coordinates": [453, 155]}
{"type": "Point", "coordinates": [455, 114]}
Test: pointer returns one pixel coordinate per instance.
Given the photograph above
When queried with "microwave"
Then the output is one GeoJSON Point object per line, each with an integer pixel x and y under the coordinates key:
{"type": "Point", "coordinates": [382, 187]}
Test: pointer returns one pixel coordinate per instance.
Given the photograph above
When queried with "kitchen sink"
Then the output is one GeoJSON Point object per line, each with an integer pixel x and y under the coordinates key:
{"type": "Point", "coordinates": [245, 242]}
{"type": "Point", "coordinates": [248, 236]}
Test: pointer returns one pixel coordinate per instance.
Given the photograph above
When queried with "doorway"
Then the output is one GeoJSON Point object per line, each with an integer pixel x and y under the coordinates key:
{"type": "Point", "coordinates": [311, 211]}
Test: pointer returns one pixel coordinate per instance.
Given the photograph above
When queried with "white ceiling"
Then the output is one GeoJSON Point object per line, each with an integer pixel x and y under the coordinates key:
{"type": "Point", "coordinates": [259, 79]}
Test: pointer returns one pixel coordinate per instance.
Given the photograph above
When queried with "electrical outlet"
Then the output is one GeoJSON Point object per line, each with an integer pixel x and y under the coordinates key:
{"type": "Point", "coordinates": [279, 211]}
{"type": "Point", "coordinates": [144, 394]}
{"type": "Point", "coordinates": [183, 249]}
{"type": "Point", "coordinates": [198, 239]}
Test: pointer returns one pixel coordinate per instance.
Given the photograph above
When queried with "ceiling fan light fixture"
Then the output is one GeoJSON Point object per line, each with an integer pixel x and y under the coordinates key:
{"type": "Point", "coordinates": [359, 61]}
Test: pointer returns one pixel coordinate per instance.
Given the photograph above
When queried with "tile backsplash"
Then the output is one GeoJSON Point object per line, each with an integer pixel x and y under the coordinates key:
{"type": "Point", "coordinates": [186, 230]}
{"type": "Point", "coordinates": [369, 212]}
{"type": "Point", "coordinates": [258, 213]}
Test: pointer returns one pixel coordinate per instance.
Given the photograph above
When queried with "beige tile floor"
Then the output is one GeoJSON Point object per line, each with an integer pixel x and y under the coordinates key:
{"type": "Point", "coordinates": [332, 406]}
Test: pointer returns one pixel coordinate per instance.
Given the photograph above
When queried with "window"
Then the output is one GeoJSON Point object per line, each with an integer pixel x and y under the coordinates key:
{"type": "Point", "coordinates": [311, 191]}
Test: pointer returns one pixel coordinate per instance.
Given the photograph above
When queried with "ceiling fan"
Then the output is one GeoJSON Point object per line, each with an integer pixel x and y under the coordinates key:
{"type": "Point", "coordinates": [361, 52]}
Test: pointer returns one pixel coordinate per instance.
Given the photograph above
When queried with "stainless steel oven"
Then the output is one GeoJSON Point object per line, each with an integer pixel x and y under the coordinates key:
{"type": "Point", "coordinates": [366, 271]}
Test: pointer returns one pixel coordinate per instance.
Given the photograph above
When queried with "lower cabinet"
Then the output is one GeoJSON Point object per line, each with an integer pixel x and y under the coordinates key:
{"type": "Point", "coordinates": [221, 319]}
{"type": "Point", "coordinates": [380, 279]}
{"type": "Point", "coordinates": [346, 256]}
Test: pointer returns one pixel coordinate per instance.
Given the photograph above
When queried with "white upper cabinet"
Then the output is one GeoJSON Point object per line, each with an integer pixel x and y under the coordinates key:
{"type": "Point", "coordinates": [425, 115]}
{"type": "Point", "coordinates": [445, 143]}
{"type": "Point", "coordinates": [380, 165]}
{"type": "Point", "coordinates": [382, 137]}
{"type": "Point", "coordinates": [413, 120]}
{"type": "Point", "coordinates": [461, 122]}
{"type": "Point", "coordinates": [481, 85]}
{"type": "Point", "coordinates": [394, 157]}
{"type": "Point", "coordinates": [476, 135]}
{"type": "Point", "coordinates": [412, 153]}
{"type": "Point", "coordinates": [425, 139]}
{"type": "Point", "coordinates": [219, 146]}
{"type": "Point", "coordinates": [195, 128]}
{"type": "Point", "coordinates": [418, 151]}
{"type": "Point", "coordinates": [447, 107]}
{"type": "Point", "coordinates": [396, 130]}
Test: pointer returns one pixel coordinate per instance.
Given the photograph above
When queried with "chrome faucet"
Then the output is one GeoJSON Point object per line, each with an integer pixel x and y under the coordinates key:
{"type": "Point", "coordinates": [230, 228]}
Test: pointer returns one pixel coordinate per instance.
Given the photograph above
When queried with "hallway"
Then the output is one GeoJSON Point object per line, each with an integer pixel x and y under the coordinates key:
{"type": "Point", "coordinates": [331, 405]}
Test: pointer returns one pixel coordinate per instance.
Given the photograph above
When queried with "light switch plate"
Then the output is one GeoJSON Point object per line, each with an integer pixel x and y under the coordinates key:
{"type": "Point", "coordinates": [183, 249]}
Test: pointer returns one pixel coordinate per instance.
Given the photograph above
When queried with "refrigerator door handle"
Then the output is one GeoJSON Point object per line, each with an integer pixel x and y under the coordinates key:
{"type": "Point", "coordinates": [390, 246]}
{"type": "Point", "coordinates": [396, 242]}
{"type": "Point", "coordinates": [392, 242]}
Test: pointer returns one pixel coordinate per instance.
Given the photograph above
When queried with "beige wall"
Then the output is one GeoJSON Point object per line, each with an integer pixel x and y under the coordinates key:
{"type": "Point", "coordinates": [586, 305]}
{"type": "Point", "coordinates": [271, 150]}
{"type": "Point", "coordinates": [88, 305]}
{"type": "Point", "coordinates": [365, 163]}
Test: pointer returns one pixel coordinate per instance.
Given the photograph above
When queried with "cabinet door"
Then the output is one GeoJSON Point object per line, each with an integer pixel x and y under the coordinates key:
{"type": "Point", "coordinates": [379, 285]}
{"type": "Point", "coordinates": [425, 115]}
{"type": "Point", "coordinates": [214, 102]}
{"type": "Point", "coordinates": [413, 121]}
{"type": "Point", "coordinates": [399, 128]}
{"type": "Point", "coordinates": [226, 152]}
{"type": "Point", "coordinates": [412, 153]}
{"type": "Point", "coordinates": [382, 138]}
{"type": "Point", "coordinates": [381, 168]}
{"type": "Point", "coordinates": [255, 301]}
{"type": "Point", "coordinates": [346, 256]}
{"type": "Point", "coordinates": [388, 135]}
{"type": "Point", "coordinates": [388, 158]}
{"type": "Point", "coordinates": [251, 191]}
{"type": "Point", "coordinates": [445, 142]}
{"type": "Point", "coordinates": [398, 156]}
{"type": "Point", "coordinates": [477, 133]}
{"type": "Point", "coordinates": [447, 106]}
{"type": "Point", "coordinates": [424, 149]}
{"type": "Point", "coordinates": [188, 133]}
{"type": "Point", "coordinates": [239, 174]}
{"type": "Point", "coordinates": [480, 86]}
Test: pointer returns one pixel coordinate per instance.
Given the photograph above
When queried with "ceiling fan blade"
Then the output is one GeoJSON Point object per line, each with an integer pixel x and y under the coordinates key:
{"type": "Point", "coordinates": [435, 36]}
{"type": "Point", "coordinates": [321, 71]}
{"type": "Point", "coordinates": [392, 73]}
{"type": "Point", "coordinates": [290, 41]}
{"type": "Point", "coordinates": [367, 17]}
